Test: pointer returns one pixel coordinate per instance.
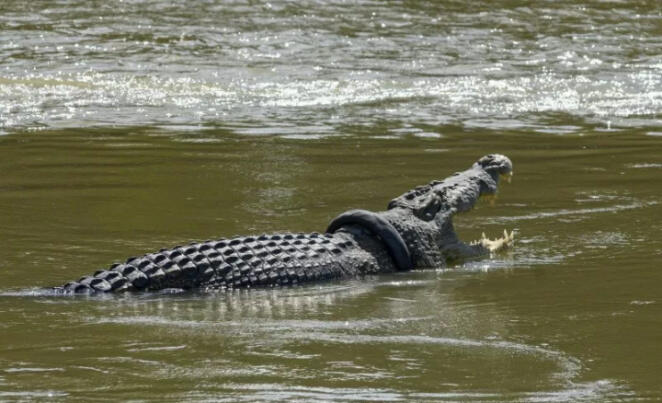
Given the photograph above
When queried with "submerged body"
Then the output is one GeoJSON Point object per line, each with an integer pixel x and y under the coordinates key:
{"type": "Point", "coordinates": [416, 231]}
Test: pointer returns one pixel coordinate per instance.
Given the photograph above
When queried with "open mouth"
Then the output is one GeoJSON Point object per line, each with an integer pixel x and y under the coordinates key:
{"type": "Point", "coordinates": [494, 245]}
{"type": "Point", "coordinates": [504, 242]}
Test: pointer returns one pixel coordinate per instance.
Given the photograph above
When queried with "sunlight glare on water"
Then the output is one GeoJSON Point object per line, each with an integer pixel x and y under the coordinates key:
{"type": "Point", "coordinates": [237, 65]}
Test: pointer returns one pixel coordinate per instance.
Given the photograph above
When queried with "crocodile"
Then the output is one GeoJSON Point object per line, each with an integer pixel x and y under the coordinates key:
{"type": "Point", "coordinates": [414, 232]}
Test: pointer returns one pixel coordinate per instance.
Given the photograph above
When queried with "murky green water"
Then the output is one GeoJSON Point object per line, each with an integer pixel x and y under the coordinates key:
{"type": "Point", "coordinates": [573, 312]}
{"type": "Point", "coordinates": [134, 125]}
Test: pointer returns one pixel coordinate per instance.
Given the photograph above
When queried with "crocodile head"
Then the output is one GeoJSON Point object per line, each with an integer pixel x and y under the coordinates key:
{"type": "Point", "coordinates": [433, 205]}
{"type": "Point", "coordinates": [457, 193]}
{"type": "Point", "coordinates": [417, 227]}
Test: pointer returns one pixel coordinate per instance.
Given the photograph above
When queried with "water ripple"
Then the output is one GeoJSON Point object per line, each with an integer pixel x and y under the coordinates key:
{"type": "Point", "coordinates": [573, 212]}
{"type": "Point", "coordinates": [230, 65]}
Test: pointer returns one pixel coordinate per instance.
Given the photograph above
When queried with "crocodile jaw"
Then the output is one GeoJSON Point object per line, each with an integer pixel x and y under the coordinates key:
{"type": "Point", "coordinates": [497, 244]}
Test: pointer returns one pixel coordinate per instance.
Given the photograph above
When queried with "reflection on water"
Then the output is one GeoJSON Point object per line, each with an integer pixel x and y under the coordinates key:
{"type": "Point", "coordinates": [335, 336]}
{"type": "Point", "coordinates": [315, 69]}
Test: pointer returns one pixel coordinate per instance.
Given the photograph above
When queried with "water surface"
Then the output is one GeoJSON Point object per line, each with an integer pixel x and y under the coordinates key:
{"type": "Point", "coordinates": [323, 68]}
{"type": "Point", "coordinates": [132, 126]}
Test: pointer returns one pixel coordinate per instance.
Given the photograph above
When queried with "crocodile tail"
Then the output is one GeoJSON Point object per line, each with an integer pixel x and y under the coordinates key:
{"type": "Point", "coordinates": [155, 271]}
{"type": "Point", "coordinates": [265, 260]}
{"type": "Point", "coordinates": [118, 278]}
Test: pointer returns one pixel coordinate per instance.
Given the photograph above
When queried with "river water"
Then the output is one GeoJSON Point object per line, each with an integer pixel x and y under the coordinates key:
{"type": "Point", "coordinates": [128, 126]}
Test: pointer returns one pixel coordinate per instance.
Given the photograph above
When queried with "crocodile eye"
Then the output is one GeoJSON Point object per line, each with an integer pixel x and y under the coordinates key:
{"type": "Point", "coordinates": [428, 207]}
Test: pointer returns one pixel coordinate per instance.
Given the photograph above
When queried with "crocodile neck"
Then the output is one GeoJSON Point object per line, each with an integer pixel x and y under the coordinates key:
{"type": "Point", "coordinates": [371, 254]}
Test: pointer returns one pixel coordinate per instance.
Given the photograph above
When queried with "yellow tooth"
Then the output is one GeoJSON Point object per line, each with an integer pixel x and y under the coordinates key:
{"type": "Point", "coordinates": [497, 244]}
